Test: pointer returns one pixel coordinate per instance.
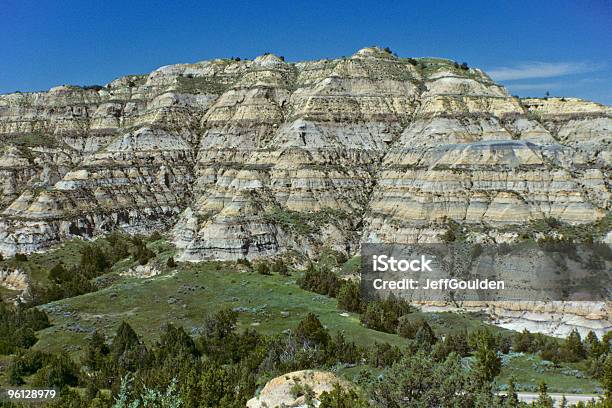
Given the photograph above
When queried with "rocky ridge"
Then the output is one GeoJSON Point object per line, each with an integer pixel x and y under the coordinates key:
{"type": "Point", "coordinates": [248, 159]}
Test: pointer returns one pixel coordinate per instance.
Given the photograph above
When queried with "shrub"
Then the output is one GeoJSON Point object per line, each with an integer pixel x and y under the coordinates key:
{"type": "Point", "coordinates": [383, 355]}
{"type": "Point", "coordinates": [417, 329]}
{"type": "Point", "coordinates": [59, 274]}
{"type": "Point", "coordinates": [92, 87]}
{"type": "Point", "coordinates": [338, 397]}
{"type": "Point", "coordinates": [155, 236]}
{"type": "Point", "coordinates": [320, 280]}
{"type": "Point", "coordinates": [383, 315]}
{"type": "Point", "coordinates": [21, 257]}
{"type": "Point", "coordinates": [279, 267]}
{"type": "Point", "coordinates": [170, 263]}
{"type": "Point", "coordinates": [262, 268]}
{"type": "Point", "coordinates": [349, 297]}
{"type": "Point", "coordinates": [417, 380]}
{"type": "Point", "coordinates": [464, 66]}
{"type": "Point", "coordinates": [244, 261]}
{"type": "Point", "coordinates": [310, 331]}
{"type": "Point", "coordinates": [60, 372]}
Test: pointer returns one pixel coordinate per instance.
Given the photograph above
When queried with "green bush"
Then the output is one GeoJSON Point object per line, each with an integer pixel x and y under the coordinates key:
{"type": "Point", "coordinates": [383, 315]}
{"type": "Point", "coordinates": [320, 279]}
{"type": "Point", "coordinates": [262, 268]}
{"type": "Point", "coordinates": [311, 331]}
{"type": "Point", "coordinates": [21, 257]}
{"type": "Point", "coordinates": [349, 297]}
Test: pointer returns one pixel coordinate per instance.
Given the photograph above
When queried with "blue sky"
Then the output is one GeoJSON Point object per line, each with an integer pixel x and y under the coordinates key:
{"type": "Point", "coordinates": [562, 47]}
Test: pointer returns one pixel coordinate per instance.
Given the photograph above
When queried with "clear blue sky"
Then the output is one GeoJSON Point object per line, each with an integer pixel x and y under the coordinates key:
{"type": "Point", "coordinates": [530, 46]}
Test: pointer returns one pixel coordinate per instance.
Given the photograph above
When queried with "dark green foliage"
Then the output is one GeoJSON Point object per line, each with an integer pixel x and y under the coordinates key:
{"type": "Point", "coordinates": [170, 263]}
{"type": "Point", "coordinates": [417, 380]}
{"type": "Point", "coordinates": [262, 268]}
{"type": "Point", "coordinates": [417, 329]}
{"type": "Point", "coordinates": [21, 257]}
{"type": "Point", "coordinates": [120, 245]}
{"type": "Point", "coordinates": [94, 261]}
{"type": "Point", "coordinates": [127, 351]}
{"type": "Point", "coordinates": [544, 400]}
{"type": "Point", "coordinates": [124, 340]}
{"type": "Point", "coordinates": [140, 252]}
{"type": "Point", "coordinates": [573, 349]}
{"type": "Point", "coordinates": [464, 66]}
{"type": "Point", "coordinates": [349, 297]}
{"type": "Point", "coordinates": [25, 364]}
{"type": "Point", "coordinates": [174, 341]}
{"type": "Point", "coordinates": [512, 400]}
{"type": "Point", "coordinates": [383, 355]}
{"type": "Point", "coordinates": [338, 397]}
{"type": "Point", "coordinates": [155, 236]}
{"type": "Point", "coordinates": [59, 372]}
{"type": "Point", "coordinates": [92, 87]}
{"type": "Point", "coordinates": [488, 363]}
{"type": "Point", "coordinates": [310, 331]}
{"type": "Point", "coordinates": [17, 327]}
{"type": "Point", "coordinates": [220, 325]}
{"type": "Point", "coordinates": [96, 352]}
{"type": "Point", "coordinates": [59, 274]}
{"type": "Point", "coordinates": [320, 279]}
{"type": "Point", "coordinates": [341, 350]}
{"type": "Point", "coordinates": [606, 379]}
{"type": "Point", "coordinates": [383, 315]}
{"type": "Point", "coordinates": [279, 267]}
{"type": "Point", "coordinates": [245, 262]}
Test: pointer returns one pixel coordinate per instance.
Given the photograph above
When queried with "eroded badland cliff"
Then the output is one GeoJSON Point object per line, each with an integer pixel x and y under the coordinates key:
{"type": "Point", "coordinates": [257, 158]}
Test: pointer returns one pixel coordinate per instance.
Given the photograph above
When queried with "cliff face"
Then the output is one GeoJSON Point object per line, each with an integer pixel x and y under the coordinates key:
{"type": "Point", "coordinates": [255, 158]}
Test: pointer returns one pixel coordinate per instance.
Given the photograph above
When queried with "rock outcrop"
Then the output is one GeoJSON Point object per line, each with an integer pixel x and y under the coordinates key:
{"type": "Point", "coordinates": [299, 389]}
{"type": "Point", "coordinates": [247, 159]}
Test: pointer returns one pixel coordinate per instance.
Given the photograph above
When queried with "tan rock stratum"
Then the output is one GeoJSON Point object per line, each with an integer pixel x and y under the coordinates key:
{"type": "Point", "coordinates": [287, 390]}
{"type": "Point", "coordinates": [248, 159]}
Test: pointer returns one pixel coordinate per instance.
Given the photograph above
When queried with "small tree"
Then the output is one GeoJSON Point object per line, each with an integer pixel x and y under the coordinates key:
{"type": "Point", "coordinates": [262, 268]}
{"type": "Point", "coordinates": [544, 400]}
{"type": "Point", "coordinates": [349, 297]}
{"type": "Point", "coordinates": [606, 380]}
{"type": "Point", "coordinates": [574, 347]}
{"type": "Point", "coordinates": [311, 331]}
{"type": "Point", "coordinates": [512, 400]}
{"type": "Point", "coordinates": [488, 363]}
{"type": "Point", "coordinates": [171, 263]}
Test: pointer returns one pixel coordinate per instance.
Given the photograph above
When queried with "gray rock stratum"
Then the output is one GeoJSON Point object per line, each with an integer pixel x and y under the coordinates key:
{"type": "Point", "coordinates": [248, 159]}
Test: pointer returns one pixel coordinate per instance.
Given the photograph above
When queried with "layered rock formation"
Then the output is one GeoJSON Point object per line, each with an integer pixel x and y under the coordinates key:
{"type": "Point", "coordinates": [247, 159]}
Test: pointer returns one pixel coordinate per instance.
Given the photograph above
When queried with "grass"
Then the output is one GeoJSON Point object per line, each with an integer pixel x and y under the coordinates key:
{"type": "Point", "coordinates": [186, 297]}
{"type": "Point", "coordinates": [529, 370]}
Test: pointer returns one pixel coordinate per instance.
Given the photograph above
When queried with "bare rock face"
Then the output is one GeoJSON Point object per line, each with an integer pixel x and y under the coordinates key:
{"type": "Point", "coordinates": [291, 389]}
{"type": "Point", "coordinates": [248, 159]}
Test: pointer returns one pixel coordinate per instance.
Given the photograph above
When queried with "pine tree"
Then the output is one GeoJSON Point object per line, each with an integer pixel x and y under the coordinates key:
{"type": "Point", "coordinates": [574, 346]}
{"type": "Point", "coordinates": [512, 400]}
{"type": "Point", "coordinates": [311, 331]}
{"type": "Point", "coordinates": [488, 363]}
{"type": "Point", "coordinates": [544, 400]}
